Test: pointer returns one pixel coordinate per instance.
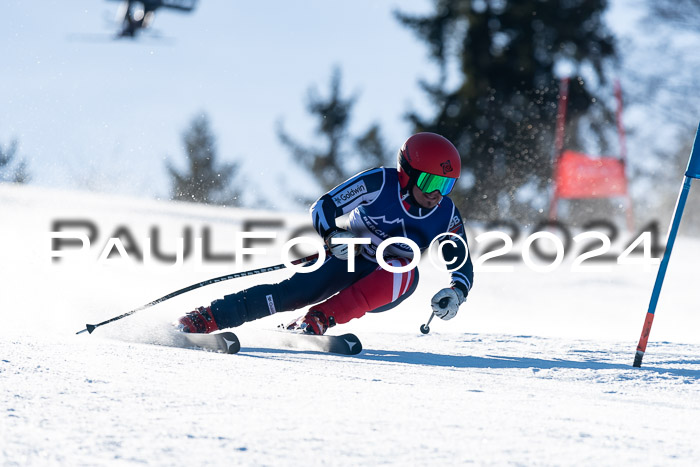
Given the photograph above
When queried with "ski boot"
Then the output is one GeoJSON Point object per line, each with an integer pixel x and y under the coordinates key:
{"type": "Point", "coordinates": [314, 322]}
{"type": "Point", "coordinates": [200, 321]}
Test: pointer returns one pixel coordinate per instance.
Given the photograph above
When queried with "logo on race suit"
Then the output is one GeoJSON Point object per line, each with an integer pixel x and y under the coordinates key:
{"type": "Point", "coordinates": [454, 222]}
{"type": "Point", "coordinates": [350, 193]}
{"type": "Point", "coordinates": [382, 228]}
{"type": "Point", "coordinates": [446, 167]}
{"type": "Point", "coordinates": [375, 225]}
{"type": "Point", "coordinates": [270, 304]}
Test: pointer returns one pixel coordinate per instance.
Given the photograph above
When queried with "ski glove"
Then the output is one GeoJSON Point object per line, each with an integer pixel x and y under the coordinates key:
{"type": "Point", "coordinates": [451, 298]}
{"type": "Point", "coordinates": [340, 250]}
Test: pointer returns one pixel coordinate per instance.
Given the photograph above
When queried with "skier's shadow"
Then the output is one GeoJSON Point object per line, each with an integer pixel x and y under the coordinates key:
{"type": "Point", "coordinates": [496, 361]}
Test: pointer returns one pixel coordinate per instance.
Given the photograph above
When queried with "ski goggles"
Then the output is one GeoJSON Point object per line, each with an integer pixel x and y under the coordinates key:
{"type": "Point", "coordinates": [427, 183]}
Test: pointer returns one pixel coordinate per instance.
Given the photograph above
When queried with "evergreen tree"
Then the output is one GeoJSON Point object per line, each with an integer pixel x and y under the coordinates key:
{"type": "Point", "coordinates": [12, 169]}
{"type": "Point", "coordinates": [501, 114]}
{"type": "Point", "coordinates": [335, 161]}
{"type": "Point", "coordinates": [205, 180]}
{"type": "Point", "coordinates": [371, 146]}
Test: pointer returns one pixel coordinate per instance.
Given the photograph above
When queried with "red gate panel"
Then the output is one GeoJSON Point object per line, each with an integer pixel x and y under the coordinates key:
{"type": "Point", "coordinates": [580, 176]}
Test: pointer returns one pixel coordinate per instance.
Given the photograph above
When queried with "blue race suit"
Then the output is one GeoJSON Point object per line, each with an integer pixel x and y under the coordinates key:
{"type": "Point", "coordinates": [378, 209]}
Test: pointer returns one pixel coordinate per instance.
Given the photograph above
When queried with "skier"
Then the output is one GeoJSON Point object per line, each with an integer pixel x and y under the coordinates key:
{"type": "Point", "coordinates": [409, 201]}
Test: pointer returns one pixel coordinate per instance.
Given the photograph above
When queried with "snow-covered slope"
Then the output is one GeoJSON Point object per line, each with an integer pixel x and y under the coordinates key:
{"type": "Point", "coordinates": [535, 369]}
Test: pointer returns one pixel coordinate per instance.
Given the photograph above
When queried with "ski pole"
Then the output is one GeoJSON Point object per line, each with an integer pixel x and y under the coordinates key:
{"type": "Point", "coordinates": [693, 171]}
{"type": "Point", "coordinates": [91, 327]}
{"type": "Point", "coordinates": [425, 328]}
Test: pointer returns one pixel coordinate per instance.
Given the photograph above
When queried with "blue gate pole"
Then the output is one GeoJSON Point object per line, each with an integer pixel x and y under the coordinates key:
{"type": "Point", "coordinates": [693, 171]}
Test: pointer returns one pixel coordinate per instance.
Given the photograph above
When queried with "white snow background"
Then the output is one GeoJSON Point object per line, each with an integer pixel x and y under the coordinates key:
{"type": "Point", "coordinates": [536, 369]}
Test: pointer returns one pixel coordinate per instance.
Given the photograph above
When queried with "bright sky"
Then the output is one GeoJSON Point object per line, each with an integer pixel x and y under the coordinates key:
{"type": "Point", "coordinates": [91, 112]}
{"type": "Point", "coordinates": [96, 113]}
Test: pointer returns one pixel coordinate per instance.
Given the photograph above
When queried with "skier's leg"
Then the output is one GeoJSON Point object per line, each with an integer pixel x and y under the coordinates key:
{"type": "Point", "coordinates": [300, 290]}
{"type": "Point", "coordinates": [379, 291]}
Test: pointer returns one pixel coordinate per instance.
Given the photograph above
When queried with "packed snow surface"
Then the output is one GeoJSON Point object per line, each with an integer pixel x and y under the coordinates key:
{"type": "Point", "coordinates": [536, 369]}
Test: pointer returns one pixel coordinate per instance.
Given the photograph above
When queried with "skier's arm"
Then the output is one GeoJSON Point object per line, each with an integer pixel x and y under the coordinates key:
{"type": "Point", "coordinates": [462, 278]}
{"type": "Point", "coordinates": [457, 252]}
{"type": "Point", "coordinates": [363, 188]}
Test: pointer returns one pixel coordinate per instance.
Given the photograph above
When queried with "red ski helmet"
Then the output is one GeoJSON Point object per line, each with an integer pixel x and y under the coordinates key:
{"type": "Point", "coordinates": [429, 161]}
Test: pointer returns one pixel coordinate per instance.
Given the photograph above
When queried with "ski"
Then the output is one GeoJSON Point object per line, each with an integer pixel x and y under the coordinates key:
{"type": "Point", "coordinates": [346, 344]}
{"type": "Point", "coordinates": [228, 342]}
{"type": "Point", "coordinates": [224, 342]}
